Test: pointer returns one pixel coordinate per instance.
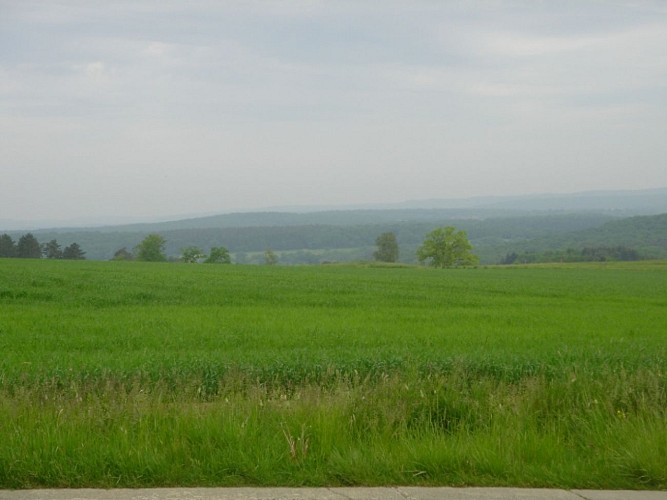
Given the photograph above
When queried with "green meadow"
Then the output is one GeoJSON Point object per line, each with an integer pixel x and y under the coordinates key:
{"type": "Point", "coordinates": [128, 374]}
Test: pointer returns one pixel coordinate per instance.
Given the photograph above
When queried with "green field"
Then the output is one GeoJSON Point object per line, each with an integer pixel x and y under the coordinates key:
{"type": "Point", "coordinates": [138, 374]}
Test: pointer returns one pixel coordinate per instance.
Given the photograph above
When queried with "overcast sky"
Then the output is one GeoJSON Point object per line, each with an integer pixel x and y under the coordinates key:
{"type": "Point", "coordinates": [158, 108]}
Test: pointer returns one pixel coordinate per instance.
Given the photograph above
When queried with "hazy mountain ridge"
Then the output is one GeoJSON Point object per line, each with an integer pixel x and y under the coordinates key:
{"type": "Point", "coordinates": [619, 203]}
{"type": "Point", "coordinates": [642, 202]}
{"type": "Point", "coordinates": [639, 202]}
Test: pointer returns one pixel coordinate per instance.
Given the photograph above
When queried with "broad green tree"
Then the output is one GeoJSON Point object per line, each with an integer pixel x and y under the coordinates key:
{"type": "Point", "coordinates": [74, 252]}
{"type": "Point", "coordinates": [52, 250]}
{"type": "Point", "coordinates": [387, 248]}
{"type": "Point", "coordinates": [28, 247]}
{"type": "Point", "coordinates": [218, 255]}
{"type": "Point", "coordinates": [7, 246]}
{"type": "Point", "coordinates": [151, 249]}
{"type": "Point", "coordinates": [447, 247]}
{"type": "Point", "coordinates": [192, 255]}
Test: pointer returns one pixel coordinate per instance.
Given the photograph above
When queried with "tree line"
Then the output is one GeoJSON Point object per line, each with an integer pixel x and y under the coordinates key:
{"type": "Point", "coordinates": [152, 249]}
{"type": "Point", "coordinates": [28, 247]}
{"type": "Point", "coordinates": [493, 238]}
{"type": "Point", "coordinates": [588, 254]}
{"type": "Point", "coordinates": [442, 247]}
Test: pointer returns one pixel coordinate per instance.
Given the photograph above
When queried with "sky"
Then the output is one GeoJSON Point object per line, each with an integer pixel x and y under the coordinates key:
{"type": "Point", "coordinates": [159, 108]}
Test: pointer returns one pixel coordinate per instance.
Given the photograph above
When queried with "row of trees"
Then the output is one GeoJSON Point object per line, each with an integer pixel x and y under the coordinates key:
{"type": "Point", "coordinates": [447, 247]}
{"type": "Point", "coordinates": [151, 249]}
{"type": "Point", "coordinates": [589, 254]}
{"type": "Point", "coordinates": [442, 247]}
{"type": "Point", "coordinates": [28, 247]}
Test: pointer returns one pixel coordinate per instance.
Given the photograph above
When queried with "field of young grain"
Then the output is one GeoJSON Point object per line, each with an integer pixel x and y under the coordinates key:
{"type": "Point", "coordinates": [131, 374]}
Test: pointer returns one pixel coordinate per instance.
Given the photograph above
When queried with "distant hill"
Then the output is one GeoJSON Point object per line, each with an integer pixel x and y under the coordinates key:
{"type": "Point", "coordinates": [495, 226]}
{"type": "Point", "coordinates": [645, 234]}
{"type": "Point", "coordinates": [640, 202]}
{"type": "Point", "coordinates": [618, 203]}
{"type": "Point", "coordinates": [324, 218]}
{"type": "Point", "coordinates": [318, 242]}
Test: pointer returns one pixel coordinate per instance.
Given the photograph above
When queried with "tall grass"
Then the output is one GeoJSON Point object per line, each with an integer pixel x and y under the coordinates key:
{"type": "Point", "coordinates": [131, 375]}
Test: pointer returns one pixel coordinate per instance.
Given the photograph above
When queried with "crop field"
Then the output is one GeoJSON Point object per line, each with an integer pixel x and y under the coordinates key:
{"type": "Point", "coordinates": [128, 374]}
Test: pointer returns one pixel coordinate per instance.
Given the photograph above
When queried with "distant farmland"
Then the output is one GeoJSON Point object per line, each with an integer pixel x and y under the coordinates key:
{"type": "Point", "coordinates": [124, 374]}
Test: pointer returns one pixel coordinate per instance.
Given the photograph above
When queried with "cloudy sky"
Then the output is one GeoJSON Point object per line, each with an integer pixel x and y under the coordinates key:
{"type": "Point", "coordinates": [153, 108]}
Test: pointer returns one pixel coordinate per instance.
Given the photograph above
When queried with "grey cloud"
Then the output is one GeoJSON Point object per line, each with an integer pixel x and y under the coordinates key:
{"type": "Point", "coordinates": [251, 103]}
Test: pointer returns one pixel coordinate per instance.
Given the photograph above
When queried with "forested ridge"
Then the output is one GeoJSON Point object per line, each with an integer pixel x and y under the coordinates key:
{"type": "Point", "coordinates": [644, 235]}
{"type": "Point", "coordinates": [328, 238]}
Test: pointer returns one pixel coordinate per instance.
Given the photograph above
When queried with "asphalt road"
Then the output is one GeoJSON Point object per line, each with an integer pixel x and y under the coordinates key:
{"type": "Point", "coordinates": [384, 493]}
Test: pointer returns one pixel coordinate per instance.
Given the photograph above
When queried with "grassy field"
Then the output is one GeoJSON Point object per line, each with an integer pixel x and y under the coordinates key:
{"type": "Point", "coordinates": [138, 374]}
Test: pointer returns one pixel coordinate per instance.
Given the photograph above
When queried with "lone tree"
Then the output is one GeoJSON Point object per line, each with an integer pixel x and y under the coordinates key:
{"type": "Point", "coordinates": [151, 249]}
{"type": "Point", "coordinates": [7, 246]}
{"type": "Point", "coordinates": [218, 255]}
{"type": "Point", "coordinates": [270, 258]}
{"type": "Point", "coordinates": [28, 247]}
{"type": "Point", "coordinates": [387, 248]}
{"type": "Point", "coordinates": [446, 247]}
{"type": "Point", "coordinates": [74, 252]}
